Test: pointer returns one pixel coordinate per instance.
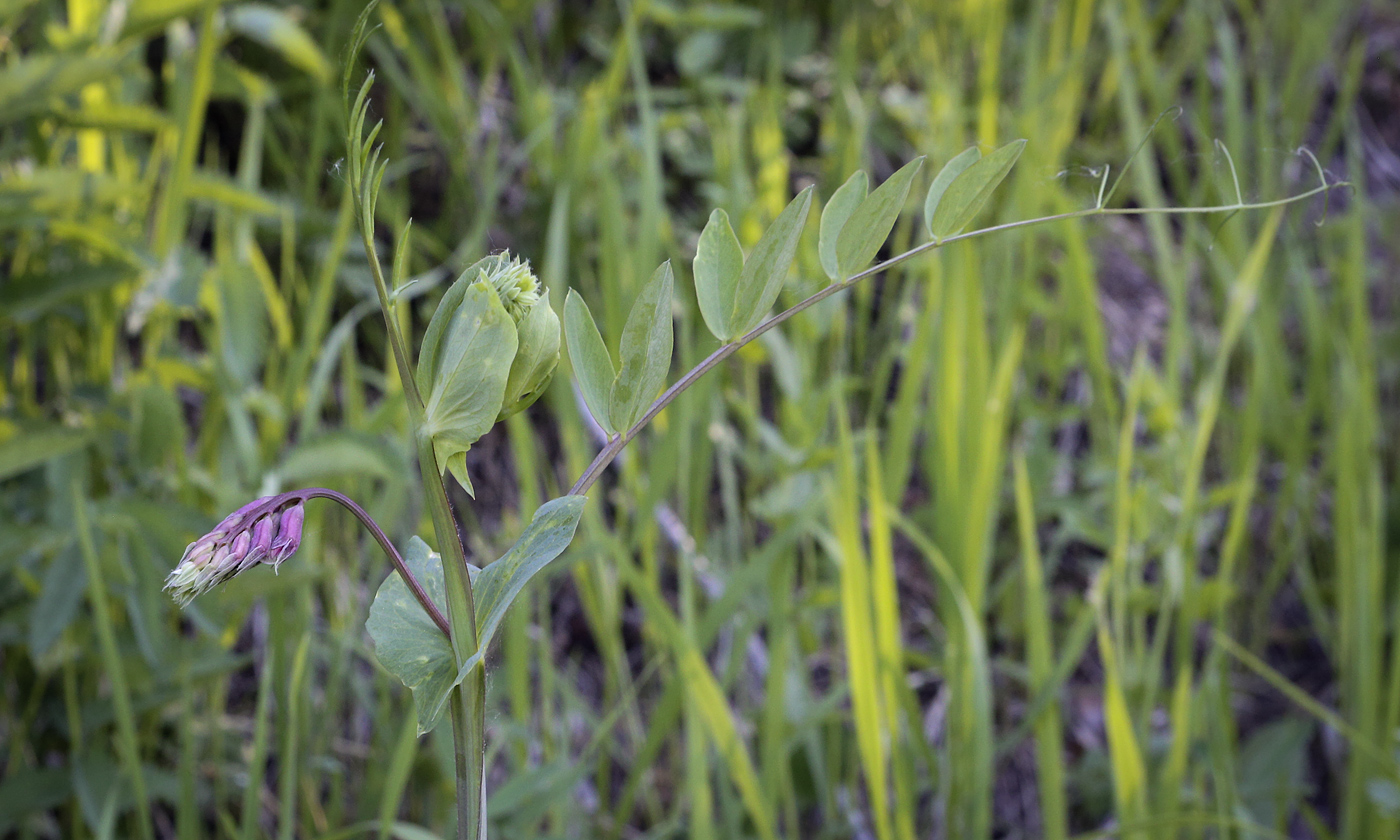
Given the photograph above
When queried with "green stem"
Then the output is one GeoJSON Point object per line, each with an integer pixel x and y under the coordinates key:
{"type": "Point", "coordinates": [468, 702]}
{"type": "Point", "coordinates": [616, 444]}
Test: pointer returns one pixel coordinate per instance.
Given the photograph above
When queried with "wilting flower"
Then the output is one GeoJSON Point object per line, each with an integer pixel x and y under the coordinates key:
{"type": "Point", "coordinates": [489, 352]}
{"type": "Point", "coordinates": [267, 530]}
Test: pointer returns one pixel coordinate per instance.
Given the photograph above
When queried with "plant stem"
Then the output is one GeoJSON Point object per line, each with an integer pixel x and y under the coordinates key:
{"type": "Point", "coordinates": [414, 585]}
{"type": "Point", "coordinates": [468, 701]}
{"type": "Point", "coordinates": [615, 444]}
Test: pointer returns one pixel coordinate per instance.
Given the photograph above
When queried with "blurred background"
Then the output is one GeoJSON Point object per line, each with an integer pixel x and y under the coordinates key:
{"type": "Point", "coordinates": [1088, 528]}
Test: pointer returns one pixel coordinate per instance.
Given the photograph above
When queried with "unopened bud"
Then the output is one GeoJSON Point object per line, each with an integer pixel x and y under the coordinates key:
{"type": "Point", "coordinates": [263, 532]}
{"type": "Point", "coordinates": [514, 282]}
{"type": "Point", "coordinates": [266, 530]}
{"type": "Point", "coordinates": [288, 538]}
{"type": "Point", "coordinates": [489, 352]}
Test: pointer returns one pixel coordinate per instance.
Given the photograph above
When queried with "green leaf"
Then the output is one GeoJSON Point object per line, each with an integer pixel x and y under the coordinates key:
{"type": "Point", "coordinates": [1271, 767]}
{"type": "Point", "coordinates": [470, 371]}
{"type": "Point", "coordinates": [65, 584]}
{"type": "Point", "coordinates": [26, 791]}
{"type": "Point", "coordinates": [403, 248]}
{"type": "Point", "coordinates": [949, 173]}
{"type": "Point", "coordinates": [27, 297]}
{"type": "Point", "coordinates": [719, 261]}
{"type": "Point", "coordinates": [589, 355]}
{"type": "Point", "coordinates": [157, 424]}
{"type": "Point", "coordinates": [970, 190]}
{"type": "Point", "coordinates": [109, 116]}
{"type": "Point", "coordinates": [243, 324]}
{"type": "Point", "coordinates": [146, 16]}
{"type": "Point", "coordinates": [407, 642]}
{"type": "Point", "coordinates": [550, 531]}
{"type": "Point", "coordinates": [31, 83]}
{"type": "Point", "coordinates": [645, 351]}
{"type": "Point", "coordinates": [277, 31]}
{"type": "Point", "coordinates": [861, 237]}
{"type": "Point", "coordinates": [224, 191]}
{"type": "Point", "coordinates": [27, 450]}
{"type": "Point", "coordinates": [766, 269]}
{"type": "Point", "coordinates": [838, 210]}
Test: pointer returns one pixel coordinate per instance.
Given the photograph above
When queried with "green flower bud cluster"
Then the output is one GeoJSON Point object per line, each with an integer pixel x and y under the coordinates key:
{"type": "Point", "coordinates": [489, 352]}
{"type": "Point", "coordinates": [515, 284]}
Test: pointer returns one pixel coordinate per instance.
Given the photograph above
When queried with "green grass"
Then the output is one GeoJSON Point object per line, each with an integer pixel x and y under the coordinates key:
{"type": "Point", "coordinates": [1097, 509]}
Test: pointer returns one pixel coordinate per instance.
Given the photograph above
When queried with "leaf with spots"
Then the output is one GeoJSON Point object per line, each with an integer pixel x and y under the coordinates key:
{"type": "Point", "coordinates": [407, 642]}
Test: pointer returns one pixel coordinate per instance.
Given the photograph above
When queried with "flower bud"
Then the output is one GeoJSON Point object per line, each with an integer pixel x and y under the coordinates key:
{"type": "Point", "coordinates": [489, 352]}
{"type": "Point", "coordinates": [288, 538]}
{"type": "Point", "coordinates": [266, 530]}
{"type": "Point", "coordinates": [513, 281]}
{"type": "Point", "coordinates": [263, 532]}
{"type": "Point", "coordinates": [230, 523]}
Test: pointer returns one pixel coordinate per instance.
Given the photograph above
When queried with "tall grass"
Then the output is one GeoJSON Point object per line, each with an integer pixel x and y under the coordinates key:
{"type": "Point", "coordinates": [1083, 528]}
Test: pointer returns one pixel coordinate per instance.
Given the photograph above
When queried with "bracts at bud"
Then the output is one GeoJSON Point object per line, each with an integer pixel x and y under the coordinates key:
{"type": "Point", "coordinates": [267, 530]}
{"type": "Point", "coordinates": [489, 352]}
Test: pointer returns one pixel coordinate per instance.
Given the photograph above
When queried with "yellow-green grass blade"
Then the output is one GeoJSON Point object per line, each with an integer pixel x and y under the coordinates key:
{"type": "Point", "coordinates": [885, 601]}
{"type": "Point", "coordinates": [858, 630]}
{"type": "Point", "coordinates": [1050, 778]}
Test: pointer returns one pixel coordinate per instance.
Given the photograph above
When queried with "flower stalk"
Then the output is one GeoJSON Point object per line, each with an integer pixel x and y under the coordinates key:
{"type": "Point", "coordinates": [269, 530]}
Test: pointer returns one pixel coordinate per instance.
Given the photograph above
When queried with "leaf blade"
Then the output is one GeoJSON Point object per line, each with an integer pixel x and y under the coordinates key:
{"type": "Point", "coordinates": [766, 269]}
{"type": "Point", "coordinates": [277, 30]}
{"type": "Point", "coordinates": [29, 449]}
{"type": "Point", "coordinates": [470, 377]}
{"type": "Point", "coordinates": [647, 341]}
{"type": "Point", "coordinates": [536, 357]}
{"type": "Point", "coordinates": [550, 531]}
{"type": "Point", "coordinates": [949, 173]}
{"type": "Point", "coordinates": [969, 191]}
{"type": "Point", "coordinates": [870, 225]}
{"type": "Point", "coordinates": [718, 265]}
{"type": "Point", "coordinates": [593, 365]}
{"type": "Point", "coordinates": [835, 215]}
{"type": "Point", "coordinates": [407, 642]}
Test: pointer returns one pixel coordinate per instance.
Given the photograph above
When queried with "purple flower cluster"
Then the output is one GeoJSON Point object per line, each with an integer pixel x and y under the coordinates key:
{"type": "Point", "coordinates": [267, 530]}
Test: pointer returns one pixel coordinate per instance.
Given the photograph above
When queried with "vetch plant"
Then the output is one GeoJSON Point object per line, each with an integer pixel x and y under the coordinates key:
{"type": "Point", "coordinates": [491, 349]}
